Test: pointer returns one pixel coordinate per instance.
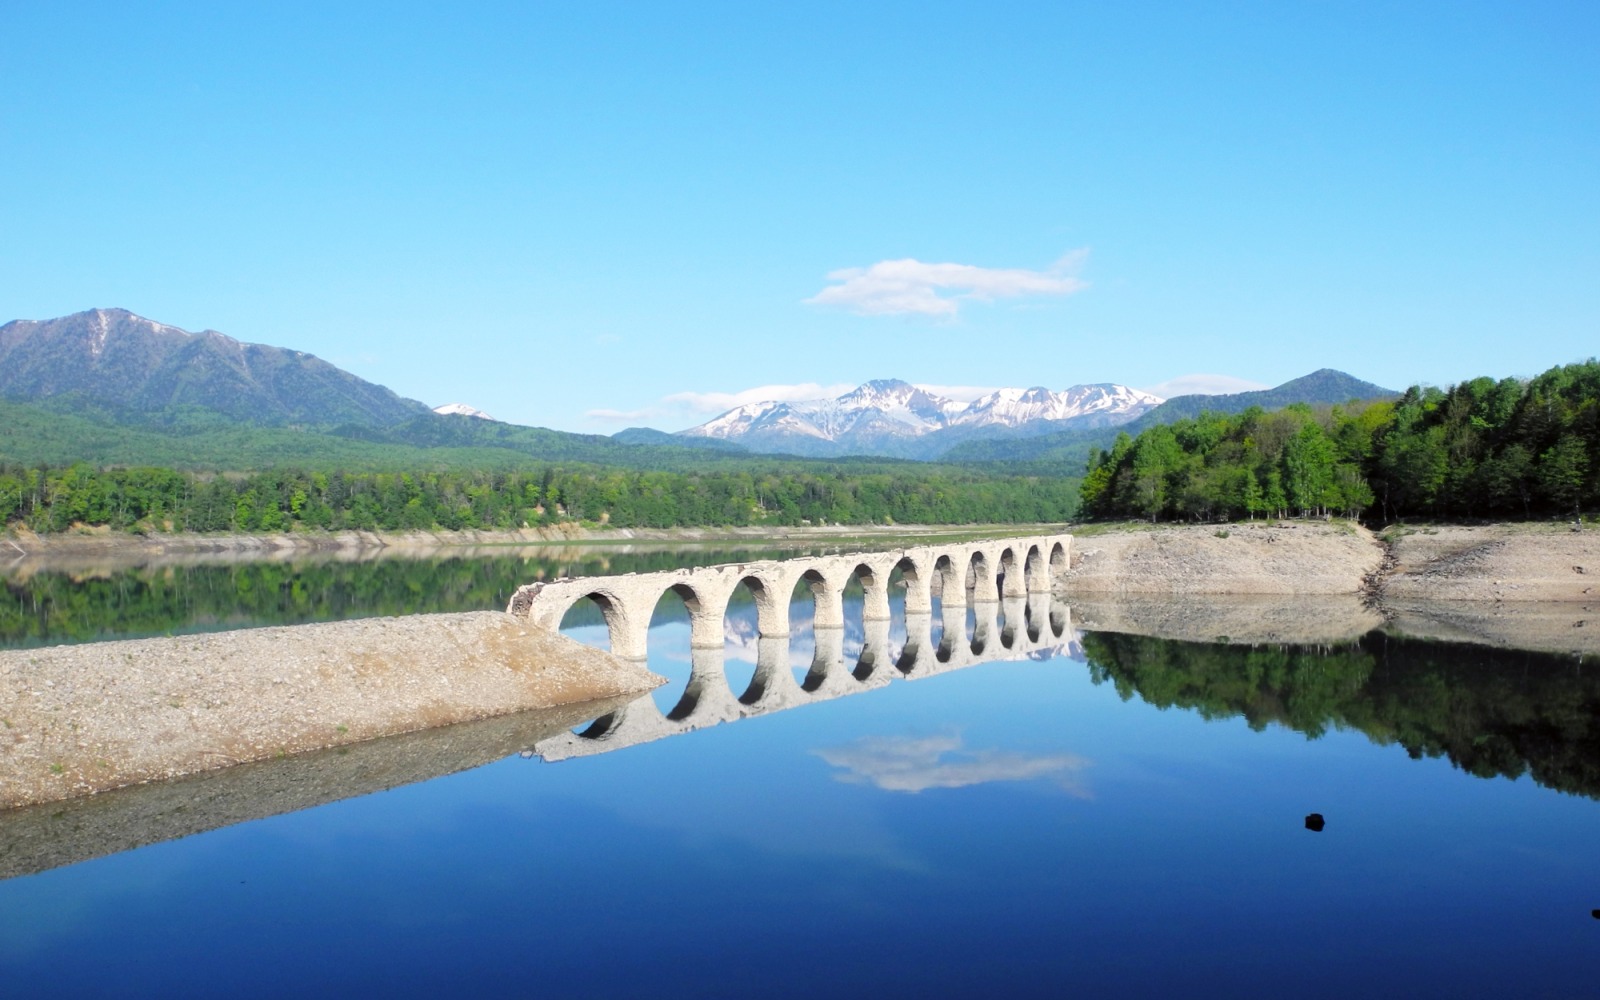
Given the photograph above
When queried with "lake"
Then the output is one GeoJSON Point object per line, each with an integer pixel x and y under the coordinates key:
{"type": "Point", "coordinates": [1110, 814]}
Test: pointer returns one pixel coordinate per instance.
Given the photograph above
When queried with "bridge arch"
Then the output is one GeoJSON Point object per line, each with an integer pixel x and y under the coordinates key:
{"type": "Point", "coordinates": [614, 611]}
{"type": "Point", "coordinates": [1035, 571]}
{"type": "Point", "coordinates": [626, 602]}
{"type": "Point", "coordinates": [1010, 580]}
{"type": "Point", "coordinates": [980, 577]}
{"type": "Point", "coordinates": [914, 577]}
{"type": "Point", "coordinates": [952, 580]}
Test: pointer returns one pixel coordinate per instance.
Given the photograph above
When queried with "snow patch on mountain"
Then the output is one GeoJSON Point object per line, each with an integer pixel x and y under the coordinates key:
{"type": "Point", "coordinates": [892, 409]}
{"type": "Point", "coordinates": [462, 410]}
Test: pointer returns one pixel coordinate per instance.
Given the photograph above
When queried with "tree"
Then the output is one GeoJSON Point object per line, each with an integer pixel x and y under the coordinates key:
{"type": "Point", "coordinates": [1562, 471]}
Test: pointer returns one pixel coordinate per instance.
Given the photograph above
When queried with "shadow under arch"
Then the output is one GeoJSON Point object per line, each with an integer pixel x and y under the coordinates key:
{"type": "Point", "coordinates": [598, 729]}
{"type": "Point", "coordinates": [1059, 563]}
{"type": "Point", "coordinates": [1058, 620]}
{"type": "Point", "coordinates": [979, 582]}
{"type": "Point", "coordinates": [1035, 572]}
{"type": "Point", "coordinates": [910, 610]}
{"type": "Point", "coordinates": [1033, 625]}
{"type": "Point", "coordinates": [747, 619]}
{"type": "Point", "coordinates": [1008, 575]}
{"type": "Point", "coordinates": [679, 608]}
{"type": "Point", "coordinates": [948, 584]}
{"type": "Point", "coordinates": [871, 625]}
{"type": "Point", "coordinates": [803, 618]}
{"type": "Point", "coordinates": [1007, 613]}
{"type": "Point", "coordinates": [592, 619]}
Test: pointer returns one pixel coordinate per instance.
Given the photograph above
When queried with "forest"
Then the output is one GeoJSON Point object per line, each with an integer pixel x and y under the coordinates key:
{"type": "Point", "coordinates": [54, 499]}
{"type": "Point", "coordinates": [1483, 448]}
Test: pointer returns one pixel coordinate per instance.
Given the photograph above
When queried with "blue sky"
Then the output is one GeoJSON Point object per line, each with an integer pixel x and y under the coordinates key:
{"type": "Point", "coordinates": [590, 215]}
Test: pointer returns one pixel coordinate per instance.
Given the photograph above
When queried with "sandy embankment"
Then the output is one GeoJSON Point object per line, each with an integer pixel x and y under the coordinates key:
{"type": "Point", "coordinates": [1247, 558]}
{"type": "Point", "coordinates": [36, 838]}
{"type": "Point", "coordinates": [1502, 562]}
{"type": "Point", "coordinates": [82, 719]}
{"type": "Point", "coordinates": [1523, 586]}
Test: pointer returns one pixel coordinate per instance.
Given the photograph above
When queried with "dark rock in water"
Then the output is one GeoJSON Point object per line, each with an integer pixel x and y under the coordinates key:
{"type": "Point", "coordinates": [1595, 914]}
{"type": "Point", "coordinates": [1314, 823]}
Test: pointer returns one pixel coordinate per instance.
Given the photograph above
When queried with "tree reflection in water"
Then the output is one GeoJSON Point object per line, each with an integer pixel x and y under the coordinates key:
{"type": "Point", "coordinates": [1491, 712]}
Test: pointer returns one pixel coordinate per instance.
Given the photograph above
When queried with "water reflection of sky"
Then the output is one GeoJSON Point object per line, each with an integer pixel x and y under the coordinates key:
{"type": "Point", "coordinates": [1009, 828]}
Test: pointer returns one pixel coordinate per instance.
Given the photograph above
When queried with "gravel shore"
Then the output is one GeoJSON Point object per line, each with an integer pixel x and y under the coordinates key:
{"type": "Point", "coordinates": [1265, 557]}
{"type": "Point", "coordinates": [81, 719]}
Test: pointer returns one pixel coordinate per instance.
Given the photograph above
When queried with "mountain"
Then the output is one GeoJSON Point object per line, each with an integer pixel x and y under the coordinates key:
{"type": "Point", "coordinates": [461, 410]}
{"type": "Point", "coordinates": [141, 371]}
{"type": "Point", "coordinates": [894, 418]}
{"type": "Point", "coordinates": [1070, 449]}
{"type": "Point", "coordinates": [651, 436]}
{"type": "Point", "coordinates": [1323, 386]}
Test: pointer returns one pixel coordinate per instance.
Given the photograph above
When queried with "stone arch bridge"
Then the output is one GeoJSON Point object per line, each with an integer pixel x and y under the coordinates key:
{"type": "Point", "coordinates": [1034, 626]}
{"type": "Point", "coordinates": [958, 573]}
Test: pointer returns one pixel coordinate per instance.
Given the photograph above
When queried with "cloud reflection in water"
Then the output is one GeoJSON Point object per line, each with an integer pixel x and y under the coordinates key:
{"type": "Point", "coordinates": [916, 763]}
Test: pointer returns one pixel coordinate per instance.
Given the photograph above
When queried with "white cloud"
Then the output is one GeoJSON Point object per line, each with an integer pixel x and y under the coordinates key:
{"type": "Point", "coordinates": [1206, 385]}
{"type": "Point", "coordinates": [622, 416]}
{"type": "Point", "coordinates": [721, 402]}
{"type": "Point", "coordinates": [911, 287]}
{"type": "Point", "coordinates": [915, 764]}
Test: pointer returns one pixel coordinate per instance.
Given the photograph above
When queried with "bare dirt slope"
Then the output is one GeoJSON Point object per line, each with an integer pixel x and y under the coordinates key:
{"type": "Point", "coordinates": [1502, 562]}
{"type": "Point", "coordinates": [1244, 558]}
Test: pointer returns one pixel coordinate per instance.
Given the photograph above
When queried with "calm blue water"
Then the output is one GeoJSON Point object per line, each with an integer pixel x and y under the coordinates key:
{"type": "Point", "coordinates": [1014, 828]}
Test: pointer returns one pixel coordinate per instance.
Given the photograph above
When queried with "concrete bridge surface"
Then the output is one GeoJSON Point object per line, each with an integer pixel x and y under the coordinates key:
{"type": "Point", "coordinates": [979, 572]}
{"type": "Point", "coordinates": [1007, 583]}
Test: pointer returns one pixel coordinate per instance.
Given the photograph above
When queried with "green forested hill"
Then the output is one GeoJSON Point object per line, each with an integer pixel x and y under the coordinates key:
{"type": "Point", "coordinates": [143, 370]}
{"type": "Point", "coordinates": [1483, 448]}
{"type": "Point", "coordinates": [33, 433]}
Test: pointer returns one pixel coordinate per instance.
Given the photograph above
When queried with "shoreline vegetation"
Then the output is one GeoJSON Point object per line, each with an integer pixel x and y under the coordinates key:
{"type": "Point", "coordinates": [1484, 448]}
{"type": "Point", "coordinates": [1497, 561]}
{"type": "Point", "coordinates": [148, 500]}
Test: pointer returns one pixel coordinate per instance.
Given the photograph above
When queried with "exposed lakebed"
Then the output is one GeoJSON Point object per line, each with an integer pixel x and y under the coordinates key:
{"type": "Point", "coordinates": [1115, 813]}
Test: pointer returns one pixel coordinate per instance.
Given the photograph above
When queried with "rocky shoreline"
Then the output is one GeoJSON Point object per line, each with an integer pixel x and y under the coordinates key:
{"type": "Point", "coordinates": [1518, 586]}
{"type": "Point", "coordinates": [1491, 563]}
{"type": "Point", "coordinates": [75, 720]}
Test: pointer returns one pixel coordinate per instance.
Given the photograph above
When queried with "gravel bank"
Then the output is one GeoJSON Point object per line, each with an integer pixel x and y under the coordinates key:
{"type": "Point", "coordinates": [1501, 562]}
{"type": "Point", "coordinates": [82, 719]}
{"type": "Point", "coordinates": [1243, 558]}
{"type": "Point", "coordinates": [36, 838]}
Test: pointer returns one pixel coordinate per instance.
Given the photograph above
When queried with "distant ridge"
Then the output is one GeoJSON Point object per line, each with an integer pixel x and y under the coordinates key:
{"type": "Point", "coordinates": [893, 418]}
{"type": "Point", "coordinates": [142, 371]}
{"type": "Point", "coordinates": [1325, 385]}
{"type": "Point", "coordinates": [1070, 449]}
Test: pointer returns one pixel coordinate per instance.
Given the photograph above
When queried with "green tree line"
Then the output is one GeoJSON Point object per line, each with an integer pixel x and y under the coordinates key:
{"type": "Point", "coordinates": [51, 607]}
{"type": "Point", "coordinates": [54, 499]}
{"type": "Point", "coordinates": [1483, 448]}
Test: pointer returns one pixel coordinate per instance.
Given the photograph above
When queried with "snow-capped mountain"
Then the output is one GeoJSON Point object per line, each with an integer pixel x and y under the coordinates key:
{"type": "Point", "coordinates": [462, 410]}
{"type": "Point", "coordinates": [891, 417]}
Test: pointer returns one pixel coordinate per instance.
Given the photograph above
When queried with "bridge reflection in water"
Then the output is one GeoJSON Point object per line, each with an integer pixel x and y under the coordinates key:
{"type": "Point", "coordinates": [1034, 626]}
{"type": "Point", "coordinates": [1005, 585]}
